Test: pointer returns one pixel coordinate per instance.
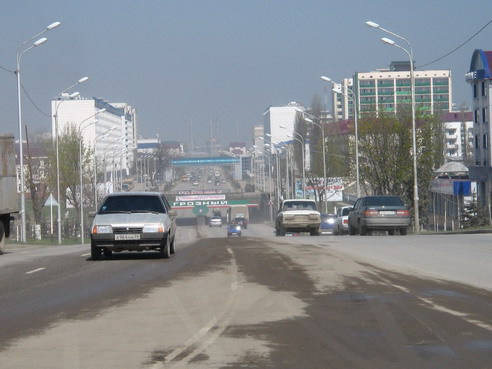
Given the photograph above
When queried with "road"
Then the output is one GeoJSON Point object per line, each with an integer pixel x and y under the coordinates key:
{"type": "Point", "coordinates": [257, 301]}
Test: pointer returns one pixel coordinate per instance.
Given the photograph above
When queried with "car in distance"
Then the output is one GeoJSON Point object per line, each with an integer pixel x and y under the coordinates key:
{"type": "Point", "coordinates": [298, 215]}
{"type": "Point", "coordinates": [341, 221]}
{"type": "Point", "coordinates": [379, 213]}
{"type": "Point", "coordinates": [133, 221]}
{"type": "Point", "coordinates": [241, 221]}
{"type": "Point", "coordinates": [215, 221]}
{"type": "Point", "coordinates": [327, 223]}
{"type": "Point", "coordinates": [233, 230]}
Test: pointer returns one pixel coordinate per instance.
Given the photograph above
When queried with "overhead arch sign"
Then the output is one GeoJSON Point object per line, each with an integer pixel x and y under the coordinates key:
{"type": "Point", "coordinates": [220, 160]}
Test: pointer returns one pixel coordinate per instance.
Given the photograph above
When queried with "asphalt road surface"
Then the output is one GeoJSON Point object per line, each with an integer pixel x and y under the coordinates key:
{"type": "Point", "coordinates": [257, 301]}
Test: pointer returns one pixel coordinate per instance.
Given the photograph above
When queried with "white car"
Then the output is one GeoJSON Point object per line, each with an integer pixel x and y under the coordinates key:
{"type": "Point", "coordinates": [341, 221]}
{"type": "Point", "coordinates": [296, 216]}
{"type": "Point", "coordinates": [215, 221]}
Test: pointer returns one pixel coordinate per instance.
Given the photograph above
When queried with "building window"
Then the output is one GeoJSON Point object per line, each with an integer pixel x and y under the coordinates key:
{"type": "Point", "coordinates": [474, 90]}
{"type": "Point", "coordinates": [476, 116]}
{"type": "Point", "coordinates": [484, 115]}
{"type": "Point", "coordinates": [485, 141]}
{"type": "Point", "coordinates": [483, 88]}
{"type": "Point", "coordinates": [476, 141]}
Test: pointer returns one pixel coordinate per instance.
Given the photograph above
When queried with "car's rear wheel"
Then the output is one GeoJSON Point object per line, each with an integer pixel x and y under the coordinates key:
{"type": "Point", "coordinates": [164, 251]}
{"type": "Point", "coordinates": [351, 230]}
{"type": "Point", "coordinates": [391, 232]}
{"type": "Point", "coordinates": [403, 231]}
{"type": "Point", "coordinates": [363, 230]}
{"type": "Point", "coordinates": [95, 252]}
{"type": "Point", "coordinates": [315, 232]}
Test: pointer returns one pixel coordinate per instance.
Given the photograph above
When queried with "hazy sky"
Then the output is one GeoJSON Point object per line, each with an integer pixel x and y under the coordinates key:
{"type": "Point", "coordinates": [225, 61]}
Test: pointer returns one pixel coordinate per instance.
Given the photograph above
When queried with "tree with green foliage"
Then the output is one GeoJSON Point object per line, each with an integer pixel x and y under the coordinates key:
{"type": "Point", "coordinates": [472, 215]}
{"type": "Point", "coordinates": [69, 153]}
{"type": "Point", "coordinates": [385, 154]}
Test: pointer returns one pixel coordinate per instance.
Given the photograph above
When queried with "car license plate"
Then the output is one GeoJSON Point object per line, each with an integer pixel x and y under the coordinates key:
{"type": "Point", "coordinates": [387, 212]}
{"type": "Point", "coordinates": [126, 236]}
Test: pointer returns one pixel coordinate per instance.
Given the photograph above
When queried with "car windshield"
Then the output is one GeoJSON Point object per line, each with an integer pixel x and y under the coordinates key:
{"type": "Point", "coordinates": [384, 201]}
{"type": "Point", "coordinates": [132, 204]}
{"type": "Point", "coordinates": [300, 205]}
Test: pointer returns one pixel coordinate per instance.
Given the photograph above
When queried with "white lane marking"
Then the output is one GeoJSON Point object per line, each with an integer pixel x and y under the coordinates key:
{"type": "Point", "coordinates": [222, 321]}
{"type": "Point", "coordinates": [35, 270]}
{"type": "Point", "coordinates": [464, 316]}
{"type": "Point", "coordinates": [85, 255]}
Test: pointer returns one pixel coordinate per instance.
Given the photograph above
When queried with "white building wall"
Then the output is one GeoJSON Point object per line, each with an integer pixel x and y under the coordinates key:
{"type": "Point", "coordinates": [105, 130]}
{"type": "Point", "coordinates": [274, 117]}
{"type": "Point", "coordinates": [458, 134]}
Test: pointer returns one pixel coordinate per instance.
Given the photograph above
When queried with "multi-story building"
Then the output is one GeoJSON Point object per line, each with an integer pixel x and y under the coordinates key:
{"type": "Point", "coordinates": [108, 128]}
{"type": "Point", "coordinates": [279, 123]}
{"type": "Point", "coordinates": [258, 138]}
{"type": "Point", "coordinates": [343, 106]}
{"type": "Point", "coordinates": [389, 90]}
{"type": "Point", "coordinates": [458, 131]}
{"type": "Point", "coordinates": [480, 77]}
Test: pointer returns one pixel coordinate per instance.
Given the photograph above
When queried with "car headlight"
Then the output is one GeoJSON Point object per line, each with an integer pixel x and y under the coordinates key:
{"type": "Point", "coordinates": [102, 229]}
{"type": "Point", "coordinates": [153, 228]}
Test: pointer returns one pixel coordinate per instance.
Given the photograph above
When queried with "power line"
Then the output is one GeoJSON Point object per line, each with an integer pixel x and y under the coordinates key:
{"type": "Point", "coordinates": [452, 51]}
{"type": "Point", "coordinates": [33, 103]}
{"type": "Point", "coordinates": [7, 70]}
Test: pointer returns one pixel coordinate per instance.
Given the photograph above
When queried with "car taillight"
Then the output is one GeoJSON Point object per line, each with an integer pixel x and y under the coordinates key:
{"type": "Point", "coordinates": [345, 221]}
{"type": "Point", "coordinates": [370, 213]}
{"type": "Point", "coordinates": [403, 213]}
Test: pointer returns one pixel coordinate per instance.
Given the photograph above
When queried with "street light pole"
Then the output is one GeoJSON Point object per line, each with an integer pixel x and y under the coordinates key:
{"type": "Point", "coordinates": [21, 148]}
{"type": "Point", "coordinates": [352, 98]}
{"type": "Point", "coordinates": [303, 146]}
{"type": "Point", "coordinates": [21, 52]}
{"type": "Point", "coordinates": [414, 129]}
{"type": "Point", "coordinates": [324, 158]}
{"type": "Point", "coordinates": [57, 149]}
{"type": "Point", "coordinates": [82, 239]}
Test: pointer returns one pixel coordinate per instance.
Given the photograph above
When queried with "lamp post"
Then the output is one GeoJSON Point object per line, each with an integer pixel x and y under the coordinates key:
{"type": "Point", "coordinates": [351, 97]}
{"type": "Point", "coordinates": [101, 135]}
{"type": "Point", "coordinates": [56, 133]}
{"type": "Point", "coordinates": [80, 172]}
{"type": "Point", "coordinates": [325, 202]}
{"type": "Point", "coordinates": [414, 130]}
{"type": "Point", "coordinates": [303, 146]}
{"type": "Point", "coordinates": [20, 52]}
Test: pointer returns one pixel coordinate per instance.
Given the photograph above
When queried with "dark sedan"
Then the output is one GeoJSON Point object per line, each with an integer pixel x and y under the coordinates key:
{"type": "Point", "coordinates": [379, 213]}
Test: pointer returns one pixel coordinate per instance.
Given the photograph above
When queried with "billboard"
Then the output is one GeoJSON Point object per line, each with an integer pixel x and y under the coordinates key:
{"type": "Point", "coordinates": [333, 188]}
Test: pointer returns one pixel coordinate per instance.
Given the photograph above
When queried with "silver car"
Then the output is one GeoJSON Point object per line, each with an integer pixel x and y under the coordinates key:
{"type": "Point", "coordinates": [133, 221]}
{"type": "Point", "coordinates": [379, 213]}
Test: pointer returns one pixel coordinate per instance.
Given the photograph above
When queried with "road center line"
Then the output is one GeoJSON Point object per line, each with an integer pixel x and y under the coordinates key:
{"type": "Point", "coordinates": [220, 322]}
{"type": "Point", "coordinates": [35, 270]}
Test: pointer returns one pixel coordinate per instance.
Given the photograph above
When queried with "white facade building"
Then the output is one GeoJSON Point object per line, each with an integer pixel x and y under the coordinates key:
{"type": "Point", "coordinates": [458, 130]}
{"type": "Point", "coordinates": [275, 117]}
{"type": "Point", "coordinates": [108, 128]}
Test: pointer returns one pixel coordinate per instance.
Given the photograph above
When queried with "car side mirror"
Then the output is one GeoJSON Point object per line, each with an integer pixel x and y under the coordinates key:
{"type": "Point", "coordinates": [92, 214]}
{"type": "Point", "coordinates": [173, 213]}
